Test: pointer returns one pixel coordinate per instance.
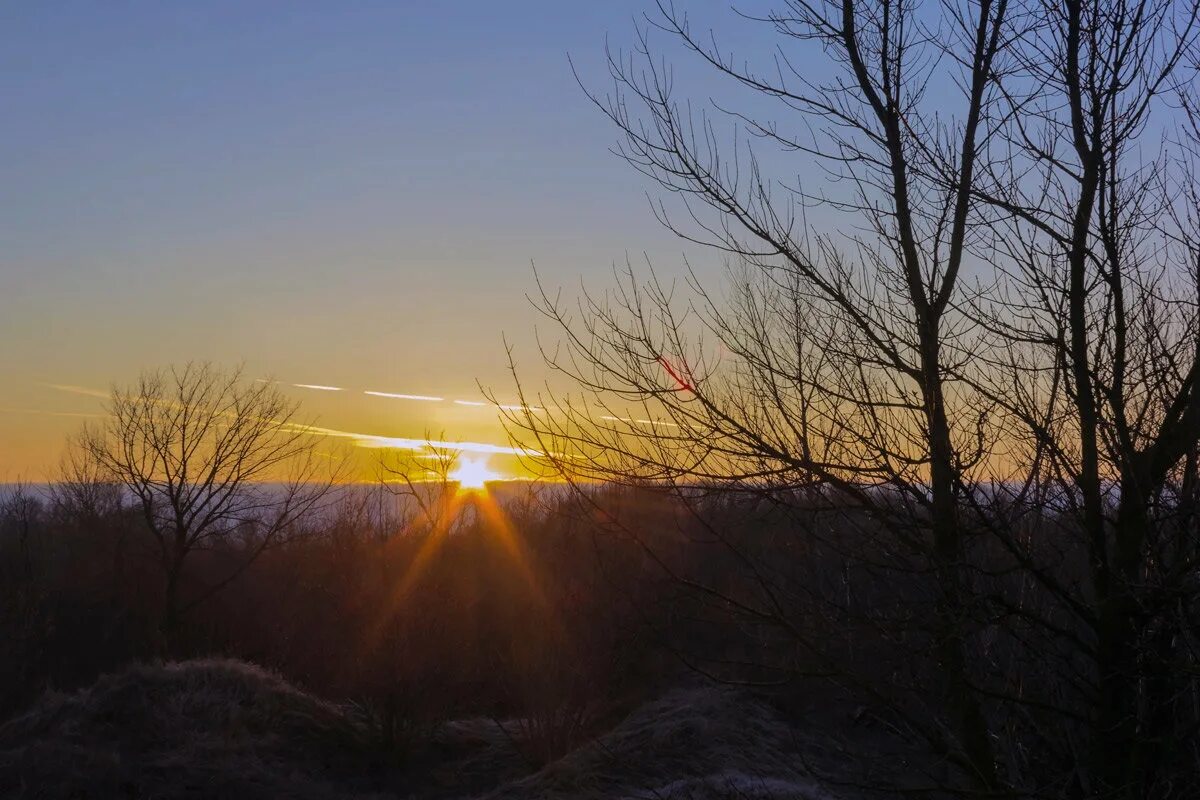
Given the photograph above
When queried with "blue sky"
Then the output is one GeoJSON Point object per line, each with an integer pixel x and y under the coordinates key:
{"type": "Point", "coordinates": [343, 193]}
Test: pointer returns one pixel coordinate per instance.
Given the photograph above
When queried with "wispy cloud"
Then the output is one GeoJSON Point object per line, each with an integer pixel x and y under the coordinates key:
{"type": "Point", "coordinates": [374, 441]}
{"type": "Point", "coordinates": [424, 398]}
{"type": "Point", "coordinates": [397, 396]}
{"type": "Point", "coordinates": [43, 412]}
{"type": "Point", "coordinates": [656, 422]}
{"type": "Point", "coordinates": [319, 387]}
{"type": "Point", "coordinates": [65, 387]}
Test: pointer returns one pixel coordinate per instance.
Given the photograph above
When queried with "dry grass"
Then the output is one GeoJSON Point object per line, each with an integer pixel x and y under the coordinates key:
{"type": "Point", "coordinates": [209, 728]}
{"type": "Point", "coordinates": [693, 744]}
{"type": "Point", "coordinates": [226, 729]}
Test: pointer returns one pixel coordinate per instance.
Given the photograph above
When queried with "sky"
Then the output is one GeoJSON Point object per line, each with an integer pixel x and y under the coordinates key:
{"type": "Point", "coordinates": [336, 194]}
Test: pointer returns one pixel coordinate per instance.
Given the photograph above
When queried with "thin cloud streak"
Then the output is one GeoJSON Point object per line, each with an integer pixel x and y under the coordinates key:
{"type": "Point", "coordinates": [425, 398]}
{"type": "Point", "coordinates": [396, 396]}
{"type": "Point", "coordinates": [43, 412]}
{"type": "Point", "coordinates": [318, 387]}
{"type": "Point", "coordinates": [656, 422]}
{"type": "Point", "coordinates": [374, 441]}
{"type": "Point", "coordinates": [83, 390]}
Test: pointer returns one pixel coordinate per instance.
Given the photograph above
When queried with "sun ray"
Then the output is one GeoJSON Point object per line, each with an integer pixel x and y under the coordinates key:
{"type": "Point", "coordinates": [439, 521]}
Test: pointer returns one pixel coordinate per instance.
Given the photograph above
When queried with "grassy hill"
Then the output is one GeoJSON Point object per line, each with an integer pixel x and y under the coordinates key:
{"type": "Point", "coordinates": [226, 729]}
{"type": "Point", "coordinates": [211, 728]}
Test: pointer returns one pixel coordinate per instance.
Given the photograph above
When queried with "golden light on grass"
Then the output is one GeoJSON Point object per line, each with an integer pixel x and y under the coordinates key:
{"type": "Point", "coordinates": [472, 474]}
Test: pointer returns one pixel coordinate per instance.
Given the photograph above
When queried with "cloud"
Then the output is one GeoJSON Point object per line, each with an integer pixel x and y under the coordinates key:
{"type": "Point", "coordinates": [394, 395]}
{"type": "Point", "coordinates": [374, 441]}
{"type": "Point", "coordinates": [43, 412]}
{"type": "Point", "coordinates": [319, 387]}
{"type": "Point", "coordinates": [656, 422]}
{"type": "Point", "coordinates": [64, 387]}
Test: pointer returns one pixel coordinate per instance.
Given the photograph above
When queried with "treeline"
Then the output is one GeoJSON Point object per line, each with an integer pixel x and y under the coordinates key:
{"type": "Point", "coordinates": [517, 607]}
{"type": "Point", "coordinates": [561, 608]}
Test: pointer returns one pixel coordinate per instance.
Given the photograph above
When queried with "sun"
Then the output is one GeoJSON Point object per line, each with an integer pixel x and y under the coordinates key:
{"type": "Point", "coordinates": [473, 474]}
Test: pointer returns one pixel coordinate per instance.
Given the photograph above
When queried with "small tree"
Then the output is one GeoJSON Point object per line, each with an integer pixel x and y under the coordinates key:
{"type": "Point", "coordinates": [207, 456]}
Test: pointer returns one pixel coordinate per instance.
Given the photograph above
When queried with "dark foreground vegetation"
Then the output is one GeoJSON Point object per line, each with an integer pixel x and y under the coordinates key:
{"type": "Point", "coordinates": [539, 649]}
{"type": "Point", "coordinates": [571, 645]}
{"type": "Point", "coordinates": [414, 623]}
{"type": "Point", "coordinates": [226, 729]}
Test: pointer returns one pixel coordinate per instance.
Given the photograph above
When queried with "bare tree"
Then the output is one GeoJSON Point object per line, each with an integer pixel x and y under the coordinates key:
{"type": "Point", "coordinates": [422, 486]}
{"type": "Point", "coordinates": [83, 489]}
{"type": "Point", "coordinates": [1017, 440]}
{"type": "Point", "coordinates": [212, 460]}
{"type": "Point", "coordinates": [1095, 213]}
{"type": "Point", "coordinates": [838, 351]}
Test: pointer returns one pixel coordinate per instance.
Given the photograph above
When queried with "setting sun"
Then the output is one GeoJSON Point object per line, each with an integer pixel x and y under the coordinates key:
{"type": "Point", "coordinates": [473, 473]}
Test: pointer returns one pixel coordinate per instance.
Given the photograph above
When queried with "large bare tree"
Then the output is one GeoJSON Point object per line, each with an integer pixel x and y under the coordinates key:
{"type": "Point", "coordinates": [1098, 316]}
{"type": "Point", "coordinates": [211, 459]}
{"type": "Point", "coordinates": [838, 348]}
{"type": "Point", "coordinates": [986, 349]}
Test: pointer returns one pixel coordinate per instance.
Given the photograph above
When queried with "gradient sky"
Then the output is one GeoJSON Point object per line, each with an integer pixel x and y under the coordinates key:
{"type": "Point", "coordinates": [345, 194]}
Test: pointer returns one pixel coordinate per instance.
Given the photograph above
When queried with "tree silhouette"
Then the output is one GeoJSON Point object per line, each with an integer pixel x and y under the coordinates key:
{"type": "Point", "coordinates": [983, 363]}
{"type": "Point", "coordinates": [210, 459]}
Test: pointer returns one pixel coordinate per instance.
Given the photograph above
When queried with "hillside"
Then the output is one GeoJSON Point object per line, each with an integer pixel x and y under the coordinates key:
{"type": "Point", "coordinates": [223, 728]}
{"type": "Point", "coordinates": [691, 744]}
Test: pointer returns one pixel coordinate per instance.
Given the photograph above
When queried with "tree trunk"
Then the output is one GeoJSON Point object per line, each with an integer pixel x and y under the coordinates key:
{"type": "Point", "coordinates": [953, 594]}
{"type": "Point", "coordinates": [1122, 752]}
{"type": "Point", "coordinates": [169, 626]}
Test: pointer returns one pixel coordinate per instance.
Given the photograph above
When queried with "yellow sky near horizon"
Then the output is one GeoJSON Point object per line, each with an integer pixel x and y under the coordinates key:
{"type": "Point", "coordinates": [371, 419]}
